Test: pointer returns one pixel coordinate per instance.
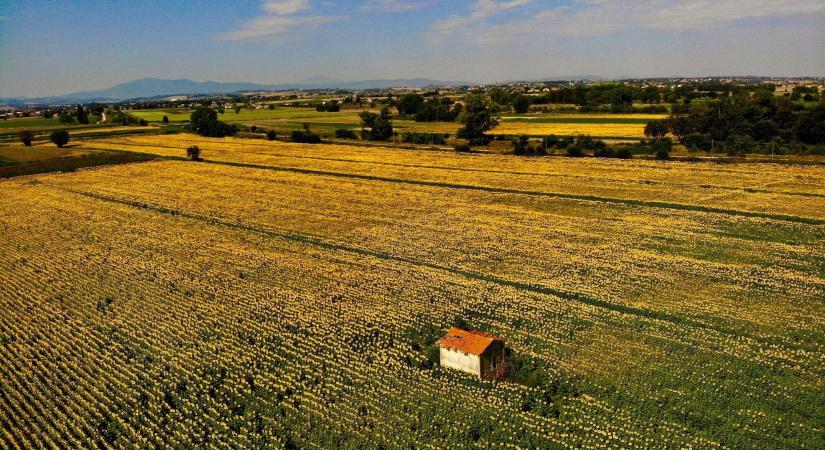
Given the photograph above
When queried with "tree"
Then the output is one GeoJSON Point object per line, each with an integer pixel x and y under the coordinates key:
{"type": "Point", "coordinates": [82, 118]}
{"type": "Point", "coordinates": [204, 121]}
{"type": "Point", "coordinates": [477, 119]}
{"type": "Point", "coordinates": [194, 153]}
{"type": "Point", "coordinates": [500, 96]}
{"type": "Point", "coordinates": [656, 129]}
{"type": "Point", "coordinates": [26, 137]}
{"type": "Point", "coordinates": [376, 127]}
{"type": "Point", "coordinates": [165, 120]}
{"type": "Point", "coordinates": [410, 103]}
{"type": "Point", "coordinates": [59, 138]}
{"type": "Point", "coordinates": [521, 104]}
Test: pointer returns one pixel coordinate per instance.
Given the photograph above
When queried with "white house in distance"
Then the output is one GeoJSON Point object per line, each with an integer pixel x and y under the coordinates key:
{"type": "Point", "coordinates": [473, 352]}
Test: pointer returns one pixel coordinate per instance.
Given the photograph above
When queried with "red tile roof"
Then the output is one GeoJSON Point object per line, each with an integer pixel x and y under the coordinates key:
{"type": "Point", "coordinates": [473, 342]}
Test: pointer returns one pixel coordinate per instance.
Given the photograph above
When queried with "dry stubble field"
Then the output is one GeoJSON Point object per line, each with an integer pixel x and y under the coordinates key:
{"type": "Point", "coordinates": [267, 297]}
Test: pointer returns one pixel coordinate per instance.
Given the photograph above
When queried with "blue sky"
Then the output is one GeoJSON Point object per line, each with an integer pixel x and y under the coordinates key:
{"type": "Point", "coordinates": [56, 47]}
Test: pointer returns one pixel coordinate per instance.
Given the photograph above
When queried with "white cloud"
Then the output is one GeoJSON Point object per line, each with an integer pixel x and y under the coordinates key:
{"type": "Point", "coordinates": [285, 7]}
{"type": "Point", "coordinates": [591, 17]}
{"type": "Point", "coordinates": [280, 20]}
{"type": "Point", "coordinates": [392, 6]}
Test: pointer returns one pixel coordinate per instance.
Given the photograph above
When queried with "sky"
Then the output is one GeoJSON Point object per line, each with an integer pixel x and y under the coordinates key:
{"type": "Point", "coordinates": [57, 47]}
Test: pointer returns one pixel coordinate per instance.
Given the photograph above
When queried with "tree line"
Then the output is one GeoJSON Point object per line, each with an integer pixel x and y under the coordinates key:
{"type": "Point", "coordinates": [746, 122]}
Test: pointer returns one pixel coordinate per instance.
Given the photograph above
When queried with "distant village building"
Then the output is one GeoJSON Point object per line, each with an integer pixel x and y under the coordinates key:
{"type": "Point", "coordinates": [473, 352]}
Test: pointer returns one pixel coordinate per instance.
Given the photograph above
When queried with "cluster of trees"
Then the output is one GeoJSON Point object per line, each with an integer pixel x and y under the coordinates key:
{"type": "Point", "coordinates": [433, 109]}
{"type": "Point", "coordinates": [204, 121]}
{"type": "Point", "coordinates": [745, 122]}
{"type": "Point", "coordinates": [122, 118]}
{"type": "Point", "coordinates": [376, 127]}
{"type": "Point", "coordinates": [330, 106]}
{"type": "Point", "coordinates": [805, 93]}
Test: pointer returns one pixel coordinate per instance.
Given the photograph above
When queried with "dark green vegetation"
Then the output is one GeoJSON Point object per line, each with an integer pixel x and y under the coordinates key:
{"type": "Point", "coordinates": [204, 121]}
{"type": "Point", "coordinates": [747, 123]}
{"type": "Point", "coordinates": [477, 119]}
{"type": "Point", "coordinates": [59, 138]}
{"type": "Point", "coordinates": [376, 127]}
{"type": "Point", "coordinates": [305, 136]}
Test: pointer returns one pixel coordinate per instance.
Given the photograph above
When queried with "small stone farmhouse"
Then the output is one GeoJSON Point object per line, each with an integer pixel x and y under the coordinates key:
{"type": "Point", "coordinates": [473, 352]}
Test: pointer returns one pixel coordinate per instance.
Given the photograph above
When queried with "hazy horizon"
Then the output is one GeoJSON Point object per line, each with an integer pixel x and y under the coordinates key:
{"type": "Point", "coordinates": [54, 49]}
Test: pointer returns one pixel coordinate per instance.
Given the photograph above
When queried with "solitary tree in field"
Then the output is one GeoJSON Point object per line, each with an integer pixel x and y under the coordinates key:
{"type": "Point", "coordinates": [477, 119]}
{"type": "Point", "coordinates": [59, 138]}
{"type": "Point", "coordinates": [194, 153]}
{"type": "Point", "coordinates": [26, 137]}
{"type": "Point", "coordinates": [165, 120]}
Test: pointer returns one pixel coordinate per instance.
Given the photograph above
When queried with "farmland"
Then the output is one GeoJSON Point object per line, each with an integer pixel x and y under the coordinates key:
{"type": "Point", "coordinates": [273, 295]}
{"type": "Point", "coordinates": [291, 118]}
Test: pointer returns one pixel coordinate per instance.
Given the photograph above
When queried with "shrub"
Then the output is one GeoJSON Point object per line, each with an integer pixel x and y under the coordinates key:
{"type": "Point", "coordinates": [345, 134]}
{"type": "Point", "coordinates": [623, 153]}
{"type": "Point", "coordinates": [271, 135]}
{"type": "Point", "coordinates": [26, 137]}
{"type": "Point", "coordinates": [520, 145]}
{"type": "Point", "coordinates": [551, 141]}
{"type": "Point", "coordinates": [59, 138]}
{"type": "Point", "coordinates": [574, 151]}
{"type": "Point", "coordinates": [424, 138]}
{"type": "Point", "coordinates": [462, 148]}
{"type": "Point", "coordinates": [194, 153]}
{"type": "Point", "coordinates": [661, 148]}
{"type": "Point", "coordinates": [305, 137]}
{"type": "Point", "coordinates": [603, 152]}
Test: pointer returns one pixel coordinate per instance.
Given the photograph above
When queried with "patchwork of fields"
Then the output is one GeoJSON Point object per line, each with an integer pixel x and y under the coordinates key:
{"type": "Point", "coordinates": [284, 119]}
{"type": "Point", "coordinates": [270, 295]}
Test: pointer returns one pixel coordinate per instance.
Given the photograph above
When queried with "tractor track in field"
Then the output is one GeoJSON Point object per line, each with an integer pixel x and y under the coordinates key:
{"type": "Point", "coordinates": [469, 274]}
{"type": "Point", "coordinates": [508, 172]}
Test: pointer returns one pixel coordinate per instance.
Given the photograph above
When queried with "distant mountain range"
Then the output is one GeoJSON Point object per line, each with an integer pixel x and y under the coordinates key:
{"type": "Point", "coordinates": [155, 87]}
